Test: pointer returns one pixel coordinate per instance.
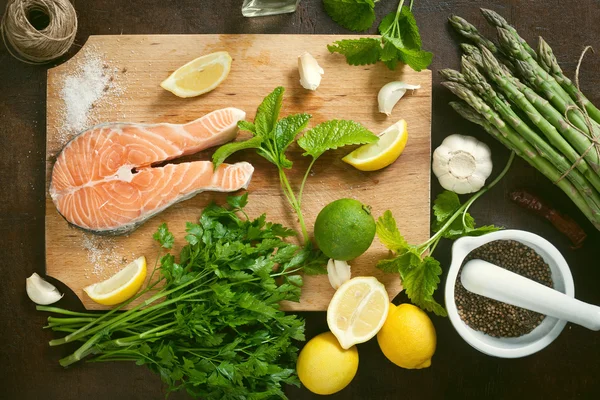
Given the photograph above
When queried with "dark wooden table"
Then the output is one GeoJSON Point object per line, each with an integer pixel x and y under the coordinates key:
{"type": "Point", "coordinates": [567, 369]}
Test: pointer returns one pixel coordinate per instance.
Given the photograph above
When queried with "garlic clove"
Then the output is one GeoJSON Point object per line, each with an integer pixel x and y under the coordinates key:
{"type": "Point", "coordinates": [310, 71]}
{"type": "Point", "coordinates": [338, 272]}
{"type": "Point", "coordinates": [343, 270]}
{"type": "Point", "coordinates": [391, 93]}
{"type": "Point", "coordinates": [40, 291]}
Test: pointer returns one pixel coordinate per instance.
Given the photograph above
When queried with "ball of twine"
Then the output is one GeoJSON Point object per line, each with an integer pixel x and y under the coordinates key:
{"type": "Point", "coordinates": [56, 19]}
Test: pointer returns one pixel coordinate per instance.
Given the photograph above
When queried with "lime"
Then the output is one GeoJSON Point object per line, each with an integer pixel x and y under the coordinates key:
{"type": "Point", "coordinates": [344, 229]}
{"type": "Point", "coordinates": [324, 367]}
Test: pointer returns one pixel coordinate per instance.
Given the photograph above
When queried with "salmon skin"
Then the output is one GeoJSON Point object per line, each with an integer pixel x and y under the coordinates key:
{"type": "Point", "coordinates": [103, 180]}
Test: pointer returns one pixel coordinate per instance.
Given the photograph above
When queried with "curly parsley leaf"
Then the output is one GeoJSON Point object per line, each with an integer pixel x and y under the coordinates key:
{"type": "Point", "coordinates": [361, 51]}
{"type": "Point", "coordinates": [164, 237]}
{"type": "Point", "coordinates": [333, 134]}
{"type": "Point", "coordinates": [355, 15]}
{"type": "Point", "coordinates": [238, 202]}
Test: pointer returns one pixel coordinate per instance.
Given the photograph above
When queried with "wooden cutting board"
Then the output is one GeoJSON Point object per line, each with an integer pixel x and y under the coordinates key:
{"type": "Point", "coordinates": [135, 66]}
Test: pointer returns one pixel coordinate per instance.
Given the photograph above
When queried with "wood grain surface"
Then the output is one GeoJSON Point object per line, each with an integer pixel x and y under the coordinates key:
{"type": "Point", "coordinates": [567, 369]}
{"type": "Point", "coordinates": [136, 66]}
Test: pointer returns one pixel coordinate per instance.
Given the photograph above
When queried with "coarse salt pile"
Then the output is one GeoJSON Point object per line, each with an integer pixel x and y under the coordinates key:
{"type": "Point", "coordinates": [104, 255]}
{"type": "Point", "coordinates": [81, 91]}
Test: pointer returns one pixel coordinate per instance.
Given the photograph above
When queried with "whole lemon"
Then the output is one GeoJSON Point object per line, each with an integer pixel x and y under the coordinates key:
{"type": "Point", "coordinates": [407, 337]}
{"type": "Point", "coordinates": [324, 367]}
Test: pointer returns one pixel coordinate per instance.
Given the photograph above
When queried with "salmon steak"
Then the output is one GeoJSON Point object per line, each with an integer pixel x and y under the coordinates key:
{"type": "Point", "coordinates": [104, 181]}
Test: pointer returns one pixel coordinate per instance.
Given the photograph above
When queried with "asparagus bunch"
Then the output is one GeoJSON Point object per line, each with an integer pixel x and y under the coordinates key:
{"type": "Point", "coordinates": [522, 98]}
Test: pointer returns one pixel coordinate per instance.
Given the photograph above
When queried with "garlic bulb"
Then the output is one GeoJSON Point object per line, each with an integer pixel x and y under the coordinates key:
{"type": "Point", "coordinates": [40, 291]}
{"type": "Point", "coordinates": [310, 71]}
{"type": "Point", "coordinates": [338, 272]}
{"type": "Point", "coordinates": [462, 164]}
{"type": "Point", "coordinates": [391, 93]}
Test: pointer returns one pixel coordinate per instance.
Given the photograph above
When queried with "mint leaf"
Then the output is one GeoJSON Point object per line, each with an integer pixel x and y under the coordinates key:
{"type": "Point", "coordinates": [285, 132]}
{"type": "Point", "coordinates": [409, 31]}
{"type": "Point", "coordinates": [389, 265]}
{"type": "Point", "coordinates": [268, 112]}
{"type": "Point", "coordinates": [288, 128]}
{"type": "Point", "coordinates": [388, 232]}
{"type": "Point", "coordinates": [247, 126]}
{"type": "Point", "coordinates": [445, 205]}
{"type": "Point", "coordinates": [421, 282]}
{"type": "Point", "coordinates": [358, 51]}
{"type": "Point", "coordinates": [164, 237]}
{"type": "Point", "coordinates": [333, 134]}
{"type": "Point", "coordinates": [389, 52]}
{"type": "Point", "coordinates": [416, 59]}
{"type": "Point", "coordinates": [386, 23]}
{"type": "Point", "coordinates": [355, 15]}
{"type": "Point", "coordinates": [228, 149]}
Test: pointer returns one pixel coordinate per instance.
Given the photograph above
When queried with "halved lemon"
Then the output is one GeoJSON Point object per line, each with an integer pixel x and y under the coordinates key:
{"type": "Point", "coordinates": [121, 286]}
{"type": "Point", "coordinates": [378, 155]}
{"type": "Point", "coordinates": [357, 310]}
{"type": "Point", "coordinates": [199, 76]}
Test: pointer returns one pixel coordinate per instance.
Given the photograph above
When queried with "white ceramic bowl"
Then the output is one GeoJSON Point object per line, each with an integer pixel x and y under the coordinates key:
{"type": "Point", "coordinates": [542, 335]}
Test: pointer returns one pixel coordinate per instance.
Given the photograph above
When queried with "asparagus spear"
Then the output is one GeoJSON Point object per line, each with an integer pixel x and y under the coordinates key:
{"type": "Point", "coordinates": [475, 54]}
{"type": "Point", "coordinates": [550, 64]}
{"type": "Point", "coordinates": [541, 85]}
{"type": "Point", "coordinates": [495, 19]}
{"type": "Point", "coordinates": [528, 153]}
{"type": "Point", "coordinates": [540, 145]}
{"type": "Point", "coordinates": [466, 29]}
{"type": "Point", "coordinates": [578, 140]}
{"type": "Point", "coordinates": [512, 48]}
{"type": "Point", "coordinates": [540, 115]}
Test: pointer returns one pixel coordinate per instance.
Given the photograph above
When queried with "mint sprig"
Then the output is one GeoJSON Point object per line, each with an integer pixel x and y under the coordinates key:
{"type": "Point", "coordinates": [355, 15]}
{"type": "Point", "coordinates": [400, 41]}
{"type": "Point", "coordinates": [418, 269]}
{"type": "Point", "coordinates": [272, 137]}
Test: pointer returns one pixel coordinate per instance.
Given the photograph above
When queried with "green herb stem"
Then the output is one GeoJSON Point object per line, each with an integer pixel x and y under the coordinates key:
{"type": "Point", "coordinates": [294, 202]}
{"type": "Point", "coordinates": [57, 310]}
{"type": "Point", "coordinates": [463, 209]}
{"type": "Point", "coordinates": [304, 179]}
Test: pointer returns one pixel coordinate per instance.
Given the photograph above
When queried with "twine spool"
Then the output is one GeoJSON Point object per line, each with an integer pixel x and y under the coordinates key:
{"type": "Point", "coordinates": [38, 31]}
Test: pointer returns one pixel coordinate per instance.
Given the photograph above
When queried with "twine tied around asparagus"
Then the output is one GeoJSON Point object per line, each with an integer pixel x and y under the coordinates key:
{"type": "Point", "coordinates": [594, 138]}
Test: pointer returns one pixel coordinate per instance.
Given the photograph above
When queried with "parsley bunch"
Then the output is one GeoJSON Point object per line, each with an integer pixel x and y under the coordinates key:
{"type": "Point", "coordinates": [212, 325]}
{"type": "Point", "coordinates": [400, 39]}
{"type": "Point", "coordinates": [273, 136]}
{"type": "Point", "coordinates": [418, 270]}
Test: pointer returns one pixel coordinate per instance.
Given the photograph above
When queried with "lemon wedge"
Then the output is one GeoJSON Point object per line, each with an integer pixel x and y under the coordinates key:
{"type": "Point", "coordinates": [199, 76]}
{"type": "Point", "coordinates": [121, 286]}
{"type": "Point", "coordinates": [357, 310]}
{"type": "Point", "coordinates": [378, 155]}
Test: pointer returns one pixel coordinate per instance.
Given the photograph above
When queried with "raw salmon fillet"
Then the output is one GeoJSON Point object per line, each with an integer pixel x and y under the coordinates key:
{"type": "Point", "coordinates": [103, 180]}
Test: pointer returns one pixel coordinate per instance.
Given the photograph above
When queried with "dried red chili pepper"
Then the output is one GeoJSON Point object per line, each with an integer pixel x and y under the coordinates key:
{"type": "Point", "coordinates": [563, 223]}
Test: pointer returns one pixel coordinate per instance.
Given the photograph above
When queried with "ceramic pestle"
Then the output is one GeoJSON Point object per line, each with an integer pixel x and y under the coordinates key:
{"type": "Point", "coordinates": [489, 280]}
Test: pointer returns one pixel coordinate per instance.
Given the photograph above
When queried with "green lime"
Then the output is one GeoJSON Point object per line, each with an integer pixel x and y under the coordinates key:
{"type": "Point", "coordinates": [344, 229]}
